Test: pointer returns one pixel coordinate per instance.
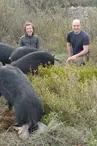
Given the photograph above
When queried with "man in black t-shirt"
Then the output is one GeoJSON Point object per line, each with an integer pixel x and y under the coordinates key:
{"type": "Point", "coordinates": [77, 44]}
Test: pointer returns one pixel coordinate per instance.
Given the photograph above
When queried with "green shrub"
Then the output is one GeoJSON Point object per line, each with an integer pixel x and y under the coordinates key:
{"type": "Point", "coordinates": [70, 92]}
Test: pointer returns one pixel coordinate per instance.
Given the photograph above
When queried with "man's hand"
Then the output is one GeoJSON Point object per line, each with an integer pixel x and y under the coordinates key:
{"type": "Point", "coordinates": [72, 59]}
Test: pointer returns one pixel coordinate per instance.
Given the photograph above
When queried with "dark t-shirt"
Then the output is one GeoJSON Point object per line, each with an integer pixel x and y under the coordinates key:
{"type": "Point", "coordinates": [77, 41]}
{"type": "Point", "coordinates": [30, 41]}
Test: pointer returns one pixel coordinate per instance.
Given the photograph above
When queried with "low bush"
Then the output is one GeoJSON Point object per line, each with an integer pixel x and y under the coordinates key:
{"type": "Point", "coordinates": [70, 92]}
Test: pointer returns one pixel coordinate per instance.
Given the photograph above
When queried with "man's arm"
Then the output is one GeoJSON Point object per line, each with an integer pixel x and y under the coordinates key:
{"type": "Point", "coordinates": [69, 49]}
{"type": "Point", "coordinates": [83, 52]}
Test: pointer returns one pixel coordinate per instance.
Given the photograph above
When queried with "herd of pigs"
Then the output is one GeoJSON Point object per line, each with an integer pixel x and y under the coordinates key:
{"type": "Point", "coordinates": [27, 59]}
{"type": "Point", "coordinates": [15, 86]}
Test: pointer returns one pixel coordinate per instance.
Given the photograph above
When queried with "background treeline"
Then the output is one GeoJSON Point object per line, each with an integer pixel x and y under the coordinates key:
{"type": "Point", "coordinates": [43, 4]}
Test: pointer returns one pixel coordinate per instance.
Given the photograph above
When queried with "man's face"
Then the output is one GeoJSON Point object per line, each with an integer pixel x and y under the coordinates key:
{"type": "Point", "coordinates": [29, 30]}
{"type": "Point", "coordinates": [76, 26]}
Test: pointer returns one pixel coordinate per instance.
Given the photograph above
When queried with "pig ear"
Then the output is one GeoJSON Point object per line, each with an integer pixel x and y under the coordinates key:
{"type": "Point", "coordinates": [10, 59]}
{"type": "Point", "coordinates": [56, 59]}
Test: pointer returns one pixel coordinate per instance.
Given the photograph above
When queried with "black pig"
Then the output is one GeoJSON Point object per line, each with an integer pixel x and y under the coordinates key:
{"type": "Point", "coordinates": [21, 51]}
{"type": "Point", "coordinates": [5, 52]}
{"type": "Point", "coordinates": [31, 61]}
{"type": "Point", "coordinates": [18, 91]}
